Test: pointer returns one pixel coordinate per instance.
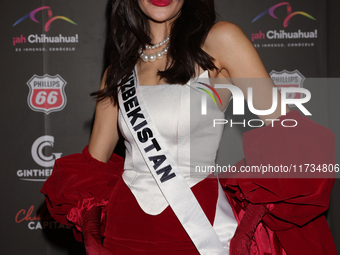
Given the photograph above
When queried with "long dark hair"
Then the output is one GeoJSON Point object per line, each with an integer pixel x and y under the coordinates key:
{"type": "Point", "coordinates": [130, 29]}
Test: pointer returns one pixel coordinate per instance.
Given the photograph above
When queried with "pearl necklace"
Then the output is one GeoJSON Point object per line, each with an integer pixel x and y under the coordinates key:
{"type": "Point", "coordinates": [159, 54]}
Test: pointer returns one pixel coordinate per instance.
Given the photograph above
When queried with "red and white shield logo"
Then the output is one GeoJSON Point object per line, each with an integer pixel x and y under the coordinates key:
{"type": "Point", "coordinates": [288, 79]}
{"type": "Point", "coordinates": [46, 93]}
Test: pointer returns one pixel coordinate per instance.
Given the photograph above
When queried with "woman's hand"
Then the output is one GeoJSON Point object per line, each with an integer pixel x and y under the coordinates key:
{"type": "Point", "coordinates": [241, 242]}
{"type": "Point", "coordinates": [240, 245]}
{"type": "Point", "coordinates": [91, 232]}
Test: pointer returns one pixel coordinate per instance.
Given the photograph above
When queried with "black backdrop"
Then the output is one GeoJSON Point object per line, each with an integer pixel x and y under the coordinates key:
{"type": "Point", "coordinates": [47, 112]}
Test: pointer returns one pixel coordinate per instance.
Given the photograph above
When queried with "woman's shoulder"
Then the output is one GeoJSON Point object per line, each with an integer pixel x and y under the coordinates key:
{"type": "Point", "coordinates": [226, 33]}
{"type": "Point", "coordinates": [225, 27]}
{"type": "Point", "coordinates": [228, 45]}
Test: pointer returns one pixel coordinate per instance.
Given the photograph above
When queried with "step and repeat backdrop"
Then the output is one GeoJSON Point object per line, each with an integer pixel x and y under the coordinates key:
{"type": "Point", "coordinates": [53, 57]}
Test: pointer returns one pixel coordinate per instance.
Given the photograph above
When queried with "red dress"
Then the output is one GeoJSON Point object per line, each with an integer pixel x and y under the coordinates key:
{"type": "Point", "coordinates": [294, 222]}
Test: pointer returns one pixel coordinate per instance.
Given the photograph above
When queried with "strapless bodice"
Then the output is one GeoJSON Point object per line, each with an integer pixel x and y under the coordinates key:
{"type": "Point", "coordinates": [189, 136]}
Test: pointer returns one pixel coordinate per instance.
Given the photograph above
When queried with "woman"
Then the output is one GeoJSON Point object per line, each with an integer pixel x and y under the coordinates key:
{"type": "Point", "coordinates": [166, 42]}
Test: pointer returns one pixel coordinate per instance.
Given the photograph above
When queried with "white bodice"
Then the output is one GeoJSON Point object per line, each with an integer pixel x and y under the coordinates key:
{"type": "Point", "coordinates": [189, 136]}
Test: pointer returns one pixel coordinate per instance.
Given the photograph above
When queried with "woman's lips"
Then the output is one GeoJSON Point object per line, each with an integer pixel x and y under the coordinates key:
{"type": "Point", "coordinates": [160, 3]}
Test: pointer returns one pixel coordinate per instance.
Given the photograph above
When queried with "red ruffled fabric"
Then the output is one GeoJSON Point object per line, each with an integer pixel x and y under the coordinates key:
{"type": "Point", "coordinates": [79, 182]}
{"type": "Point", "coordinates": [295, 205]}
{"type": "Point", "coordinates": [86, 204]}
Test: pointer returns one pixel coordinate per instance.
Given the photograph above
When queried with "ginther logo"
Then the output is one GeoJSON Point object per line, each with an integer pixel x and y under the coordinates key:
{"type": "Point", "coordinates": [238, 99]}
{"type": "Point", "coordinates": [50, 16]}
{"type": "Point", "coordinates": [37, 151]}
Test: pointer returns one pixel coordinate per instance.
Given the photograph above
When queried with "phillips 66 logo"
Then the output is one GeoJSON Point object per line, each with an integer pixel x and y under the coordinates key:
{"type": "Point", "coordinates": [46, 93]}
{"type": "Point", "coordinates": [285, 79]}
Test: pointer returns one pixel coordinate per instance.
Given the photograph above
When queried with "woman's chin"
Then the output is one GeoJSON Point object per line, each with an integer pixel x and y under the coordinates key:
{"type": "Point", "coordinates": [160, 18]}
{"type": "Point", "coordinates": [160, 10]}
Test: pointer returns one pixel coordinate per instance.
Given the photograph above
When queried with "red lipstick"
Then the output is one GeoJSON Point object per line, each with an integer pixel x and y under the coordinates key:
{"type": "Point", "coordinates": [160, 3]}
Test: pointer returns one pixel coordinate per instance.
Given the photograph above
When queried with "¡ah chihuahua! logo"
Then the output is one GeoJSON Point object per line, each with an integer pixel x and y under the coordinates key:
{"type": "Point", "coordinates": [43, 38]}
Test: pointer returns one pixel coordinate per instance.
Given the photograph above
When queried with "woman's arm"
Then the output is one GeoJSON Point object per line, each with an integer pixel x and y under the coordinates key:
{"type": "Point", "coordinates": [105, 134]}
{"type": "Point", "coordinates": [80, 186]}
{"type": "Point", "coordinates": [294, 207]}
{"type": "Point", "coordinates": [236, 57]}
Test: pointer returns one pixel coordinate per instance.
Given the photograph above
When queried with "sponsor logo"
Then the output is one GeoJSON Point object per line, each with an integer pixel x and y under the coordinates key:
{"type": "Point", "coordinates": [287, 19]}
{"type": "Point", "coordinates": [40, 219]}
{"type": "Point", "coordinates": [34, 38]}
{"type": "Point", "coordinates": [30, 41]}
{"type": "Point", "coordinates": [277, 38]}
{"type": "Point", "coordinates": [287, 79]}
{"type": "Point", "coordinates": [38, 152]}
{"type": "Point", "coordinates": [46, 93]}
{"type": "Point", "coordinates": [48, 23]}
{"type": "Point", "coordinates": [281, 34]}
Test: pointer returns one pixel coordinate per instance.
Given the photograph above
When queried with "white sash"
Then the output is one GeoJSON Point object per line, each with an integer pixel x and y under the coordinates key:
{"type": "Point", "coordinates": [165, 171]}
